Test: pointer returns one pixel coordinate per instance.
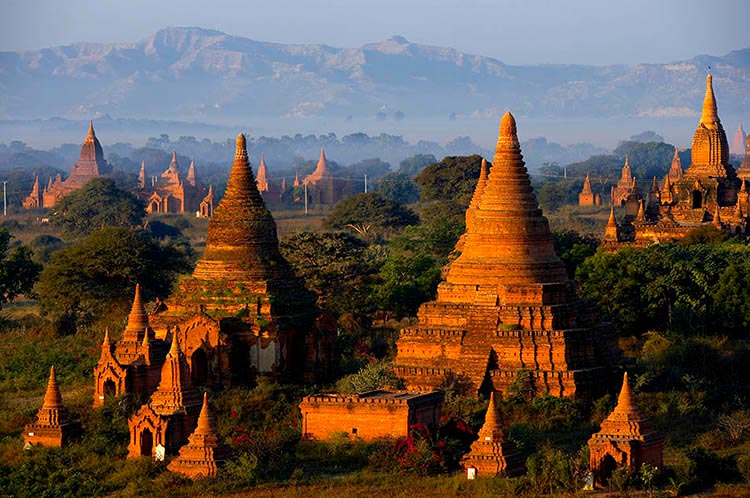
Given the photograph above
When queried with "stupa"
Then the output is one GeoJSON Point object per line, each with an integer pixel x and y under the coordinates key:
{"type": "Point", "coordinates": [53, 426]}
{"type": "Point", "coordinates": [506, 305]}
{"type": "Point", "coordinates": [587, 197]}
{"type": "Point", "coordinates": [626, 439]}
{"type": "Point", "coordinates": [243, 311]}
{"type": "Point", "coordinates": [203, 453]}
{"type": "Point", "coordinates": [322, 187]}
{"type": "Point", "coordinates": [171, 413]}
{"type": "Point", "coordinates": [492, 453]}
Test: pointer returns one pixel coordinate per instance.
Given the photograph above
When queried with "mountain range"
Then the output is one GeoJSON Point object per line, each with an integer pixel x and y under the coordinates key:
{"type": "Point", "coordinates": [197, 74]}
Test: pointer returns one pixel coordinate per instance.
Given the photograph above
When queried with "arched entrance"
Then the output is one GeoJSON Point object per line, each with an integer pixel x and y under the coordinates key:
{"type": "Point", "coordinates": [110, 388]}
{"type": "Point", "coordinates": [606, 467]}
{"type": "Point", "coordinates": [147, 443]}
{"type": "Point", "coordinates": [199, 368]}
{"type": "Point", "coordinates": [697, 199]}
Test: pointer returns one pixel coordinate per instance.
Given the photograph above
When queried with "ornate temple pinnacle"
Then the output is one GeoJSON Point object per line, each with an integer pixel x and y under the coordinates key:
{"type": "Point", "coordinates": [710, 115]}
{"type": "Point", "coordinates": [240, 151]}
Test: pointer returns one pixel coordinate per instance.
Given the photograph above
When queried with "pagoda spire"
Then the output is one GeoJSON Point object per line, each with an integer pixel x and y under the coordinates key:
{"type": "Point", "coordinates": [507, 229]}
{"type": "Point", "coordinates": [173, 166]}
{"type": "Point", "coordinates": [480, 184]}
{"type": "Point", "coordinates": [492, 430]}
{"type": "Point", "coordinates": [52, 398]}
{"type": "Point", "coordinates": [641, 215]}
{"type": "Point", "coordinates": [203, 453]}
{"type": "Point", "coordinates": [586, 185]}
{"type": "Point", "coordinates": [242, 242]}
{"type": "Point", "coordinates": [53, 426]}
{"type": "Point", "coordinates": [191, 178]}
{"type": "Point", "coordinates": [262, 178]}
{"type": "Point", "coordinates": [137, 320]}
{"type": "Point", "coordinates": [710, 115]}
{"type": "Point", "coordinates": [321, 169]}
{"type": "Point", "coordinates": [91, 133]}
{"type": "Point", "coordinates": [175, 391]}
{"type": "Point", "coordinates": [625, 404]}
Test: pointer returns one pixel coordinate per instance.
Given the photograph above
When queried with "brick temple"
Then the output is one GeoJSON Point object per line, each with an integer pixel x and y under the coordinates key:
{"type": "Point", "coordinates": [243, 311]}
{"type": "Point", "coordinates": [90, 165]}
{"type": "Point", "coordinates": [369, 415]}
{"type": "Point", "coordinates": [171, 191]}
{"type": "Point", "coordinates": [626, 439]}
{"type": "Point", "coordinates": [53, 426]}
{"type": "Point", "coordinates": [708, 192]}
{"type": "Point", "coordinates": [506, 313]}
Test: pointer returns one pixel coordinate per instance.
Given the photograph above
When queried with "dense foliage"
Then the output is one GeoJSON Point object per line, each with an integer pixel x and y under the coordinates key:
{"type": "Point", "coordinates": [18, 271]}
{"type": "Point", "coordinates": [98, 275]}
{"type": "Point", "coordinates": [454, 178]}
{"type": "Point", "coordinates": [364, 212]}
{"type": "Point", "coordinates": [98, 204]}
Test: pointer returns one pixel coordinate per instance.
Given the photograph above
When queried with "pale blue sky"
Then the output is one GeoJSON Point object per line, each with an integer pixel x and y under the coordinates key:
{"type": "Point", "coordinates": [514, 31]}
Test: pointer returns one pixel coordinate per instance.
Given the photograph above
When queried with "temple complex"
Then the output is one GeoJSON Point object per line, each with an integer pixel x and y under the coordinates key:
{"type": "Point", "coordinates": [506, 313]}
{"type": "Point", "coordinates": [243, 311]}
{"type": "Point", "coordinates": [134, 364]}
{"type": "Point", "coordinates": [91, 164]}
{"type": "Point", "coordinates": [492, 454]}
{"type": "Point", "coordinates": [322, 187]}
{"type": "Point", "coordinates": [203, 453]}
{"type": "Point", "coordinates": [708, 192]}
{"type": "Point", "coordinates": [271, 191]}
{"type": "Point", "coordinates": [53, 427]}
{"type": "Point", "coordinates": [171, 192]}
{"type": "Point", "coordinates": [370, 415]}
{"type": "Point", "coordinates": [163, 425]}
{"type": "Point", "coordinates": [587, 197]}
{"type": "Point", "coordinates": [738, 142]}
{"type": "Point", "coordinates": [626, 439]}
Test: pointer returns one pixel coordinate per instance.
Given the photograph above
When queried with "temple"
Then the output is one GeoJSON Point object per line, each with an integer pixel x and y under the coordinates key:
{"type": "Point", "coordinates": [587, 197]}
{"type": "Point", "coordinates": [506, 313]}
{"type": "Point", "coordinates": [53, 427]}
{"type": "Point", "coordinates": [626, 439]}
{"type": "Point", "coordinates": [91, 164]}
{"type": "Point", "coordinates": [163, 425]}
{"type": "Point", "coordinates": [708, 192]}
{"type": "Point", "coordinates": [738, 142]}
{"type": "Point", "coordinates": [172, 192]}
{"type": "Point", "coordinates": [203, 453]}
{"type": "Point", "coordinates": [322, 187]}
{"type": "Point", "coordinates": [626, 192]}
{"type": "Point", "coordinates": [370, 415]}
{"type": "Point", "coordinates": [133, 365]}
{"type": "Point", "coordinates": [243, 311]}
{"type": "Point", "coordinates": [270, 190]}
{"type": "Point", "coordinates": [492, 453]}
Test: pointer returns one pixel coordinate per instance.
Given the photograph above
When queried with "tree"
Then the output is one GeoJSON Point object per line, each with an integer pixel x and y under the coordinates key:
{"type": "Point", "coordinates": [98, 204]}
{"type": "Point", "coordinates": [398, 188]}
{"type": "Point", "coordinates": [338, 267]}
{"type": "Point", "coordinates": [573, 248]}
{"type": "Point", "coordinates": [413, 165]}
{"type": "Point", "coordinates": [647, 159]}
{"type": "Point", "coordinates": [98, 275]}
{"type": "Point", "coordinates": [453, 178]}
{"type": "Point", "coordinates": [407, 281]}
{"type": "Point", "coordinates": [363, 211]}
{"type": "Point", "coordinates": [17, 270]}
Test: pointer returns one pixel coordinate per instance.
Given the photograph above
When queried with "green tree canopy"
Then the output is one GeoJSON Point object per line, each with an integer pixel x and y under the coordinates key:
{"type": "Point", "coordinates": [17, 270]}
{"type": "Point", "coordinates": [98, 275]}
{"type": "Point", "coordinates": [413, 165]}
{"type": "Point", "coordinates": [370, 210]}
{"type": "Point", "coordinates": [98, 204]}
{"type": "Point", "coordinates": [453, 178]}
{"type": "Point", "coordinates": [398, 188]}
{"type": "Point", "coordinates": [338, 267]}
{"type": "Point", "coordinates": [647, 159]}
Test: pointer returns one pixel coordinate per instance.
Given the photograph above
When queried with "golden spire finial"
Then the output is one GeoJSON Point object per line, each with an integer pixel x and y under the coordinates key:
{"type": "Point", "coordinates": [52, 398]}
{"type": "Point", "coordinates": [625, 399]}
{"type": "Point", "coordinates": [710, 114]}
{"type": "Point", "coordinates": [508, 126]}
{"type": "Point", "coordinates": [241, 147]}
{"type": "Point", "coordinates": [91, 129]}
{"type": "Point", "coordinates": [612, 221]}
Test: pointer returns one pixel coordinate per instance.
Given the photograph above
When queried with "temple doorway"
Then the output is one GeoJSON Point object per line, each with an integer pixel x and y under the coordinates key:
{"type": "Point", "coordinates": [697, 199]}
{"type": "Point", "coordinates": [606, 467]}
{"type": "Point", "coordinates": [110, 389]}
{"type": "Point", "coordinates": [147, 443]}
{"type": "Point", "coordinates": [199, 368]}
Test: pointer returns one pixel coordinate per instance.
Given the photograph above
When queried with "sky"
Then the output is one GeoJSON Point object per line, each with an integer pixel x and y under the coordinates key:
{"type": "Point", "coordinates": [597, 32]}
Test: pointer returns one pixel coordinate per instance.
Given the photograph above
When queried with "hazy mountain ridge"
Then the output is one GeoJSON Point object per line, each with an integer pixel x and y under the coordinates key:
{"type": "Point", "coordinates": [194, 73]}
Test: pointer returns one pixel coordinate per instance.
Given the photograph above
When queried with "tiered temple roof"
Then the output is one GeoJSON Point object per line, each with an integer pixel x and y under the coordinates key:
{"type": "Point", "coordinates": [203, 453]}
{"type": "Point", "coordinates": [53, 426]}
{"type": "Point", "coordinates": [492, 454]}
{"type": "Point", "coordinates": [626, 439]}
{"type": "Point", "coordinates": [504, 297]}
